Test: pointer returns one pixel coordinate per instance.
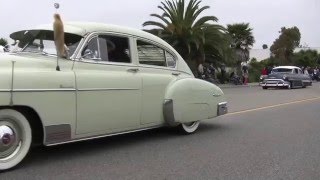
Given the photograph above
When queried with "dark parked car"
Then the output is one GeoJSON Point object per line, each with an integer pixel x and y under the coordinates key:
{"type": "Point", "coordinates": [286, 77]}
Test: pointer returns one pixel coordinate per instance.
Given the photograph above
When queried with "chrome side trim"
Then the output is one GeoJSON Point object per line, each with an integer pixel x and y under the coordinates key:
{"type": "Point", "coordinates": [37, 90]}
{"type": "Point", "coordinates": [102, 136]}
{"type": "Point", "coordinates": [66, 89]}
{"type": "Point", "coordinates": [106, 89]}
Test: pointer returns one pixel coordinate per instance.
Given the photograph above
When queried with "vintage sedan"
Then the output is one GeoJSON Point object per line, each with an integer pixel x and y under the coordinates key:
{"type": "Point", "coordinates": [286, 77]}
{"type": "Point", "coordinates": [115, 80]}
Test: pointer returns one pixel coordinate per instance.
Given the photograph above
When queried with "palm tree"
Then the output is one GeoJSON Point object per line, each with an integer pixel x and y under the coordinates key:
{"type": "Point", "coordinates": [3, 42]}
{"type": "Point", "coordinates": [242, 41]}
{"type": "Point", "coordinates": [191, 35]}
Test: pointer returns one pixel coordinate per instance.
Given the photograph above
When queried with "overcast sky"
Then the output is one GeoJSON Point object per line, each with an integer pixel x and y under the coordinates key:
{"type": "Point", "coordinates": [266, 17]}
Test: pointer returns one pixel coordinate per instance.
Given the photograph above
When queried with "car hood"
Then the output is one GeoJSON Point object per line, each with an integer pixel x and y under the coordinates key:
{"type": "Point", "coordinates": [277, 75]}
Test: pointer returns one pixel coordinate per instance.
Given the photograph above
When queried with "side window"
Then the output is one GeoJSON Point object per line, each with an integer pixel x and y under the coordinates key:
{"type": "Point", "coordinates": [91, 50]}
{"type": "Point", "coordinates": [108, 48]}
{"type": "Point", "coordinates": [171, 62]}
{"type": "Point", "coordinates": [115, 49]}
{"type": "Point", "coordinates": [296, 71]}
{"type": "Point", "coordinates": [151, 54]}
{"type": "Point", "coordinates": [300, 71]}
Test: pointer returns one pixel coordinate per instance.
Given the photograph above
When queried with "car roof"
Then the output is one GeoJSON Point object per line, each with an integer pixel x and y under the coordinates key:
{"type": "Point", "coordinates": [286, 67]}
{"type": "Point", "coordinates": [82, 28]}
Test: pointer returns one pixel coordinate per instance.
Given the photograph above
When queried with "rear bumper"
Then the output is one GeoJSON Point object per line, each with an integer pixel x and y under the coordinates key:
{"type": "Point", "coordinates": [307, 82]}
{"type": "Point", "coordinates": [222, 108]}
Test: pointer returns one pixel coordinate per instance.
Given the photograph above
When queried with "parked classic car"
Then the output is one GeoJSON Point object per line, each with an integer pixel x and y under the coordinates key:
{"type": "Point", "coordinates": [286, 77]}
{"type": "Point", "coordinates": [115, 80]}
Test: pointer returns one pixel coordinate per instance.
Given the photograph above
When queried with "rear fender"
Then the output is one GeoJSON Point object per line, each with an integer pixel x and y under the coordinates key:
{"type": "Point", "coordinates": [191, 99]}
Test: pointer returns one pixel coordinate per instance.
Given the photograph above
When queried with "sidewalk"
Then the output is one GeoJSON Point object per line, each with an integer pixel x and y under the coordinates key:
{"type": "Point", "coordinates": [229, 85]}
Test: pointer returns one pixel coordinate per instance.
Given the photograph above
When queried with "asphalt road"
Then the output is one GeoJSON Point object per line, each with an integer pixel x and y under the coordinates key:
{"type": "Point", "coordinates": [268, 134]}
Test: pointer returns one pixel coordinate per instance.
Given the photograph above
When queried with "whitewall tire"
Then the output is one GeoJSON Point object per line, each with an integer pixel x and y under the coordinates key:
{"type": "Point", "coordinates": [15, 138]}
{"type": "Point", "coordinates": [189, 128]}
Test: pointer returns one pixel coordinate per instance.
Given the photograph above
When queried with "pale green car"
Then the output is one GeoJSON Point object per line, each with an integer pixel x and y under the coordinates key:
{"type": "Point", "coordinates": [115, 80]}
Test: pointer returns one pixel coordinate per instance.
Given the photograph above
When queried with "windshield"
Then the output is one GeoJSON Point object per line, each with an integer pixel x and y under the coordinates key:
{"type": "Point", "coordinates": [281, 70]}
{"type": "Point", "coordinates": [42, 41]}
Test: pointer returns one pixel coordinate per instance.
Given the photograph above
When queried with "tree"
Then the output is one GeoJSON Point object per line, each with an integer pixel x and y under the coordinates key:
{"type": "Point", "coordinates": [264, 46]}
{"type": "Point", "coordinates": [242, 41]}
{"type": "Point", "coordinates": [305, 58]}
{"type": "Point", "coordinates": [3, 42]}
{"type": "Point", "coordinates": [283, 47]}
{"type": "Point", "coordinates": [194, 37]}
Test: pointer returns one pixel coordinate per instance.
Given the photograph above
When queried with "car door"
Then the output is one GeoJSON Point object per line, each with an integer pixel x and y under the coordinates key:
{"type": "Point", "coordinates": [108, 86]}
{"type": "Point", "coordinates": [157, 67]}
{"type": "Point", "coordinates": [304, 77]}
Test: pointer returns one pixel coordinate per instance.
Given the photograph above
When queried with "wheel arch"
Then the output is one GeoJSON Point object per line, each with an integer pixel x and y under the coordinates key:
{"type": "Point", "coordinates": [34, 120]}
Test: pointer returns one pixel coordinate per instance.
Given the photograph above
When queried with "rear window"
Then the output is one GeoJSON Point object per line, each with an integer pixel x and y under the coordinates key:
{"type": "Point", "coordinates": [281, 70]}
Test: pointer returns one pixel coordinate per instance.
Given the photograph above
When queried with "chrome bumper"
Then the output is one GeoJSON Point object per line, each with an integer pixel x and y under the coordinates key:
{"type": "Point", "coordinates": [222, 108]}
{"type": "Point", "coordinates": [274, 83]}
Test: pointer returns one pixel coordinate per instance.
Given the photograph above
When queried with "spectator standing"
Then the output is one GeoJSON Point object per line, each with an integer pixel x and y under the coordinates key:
{"type": "Point", "coordinates": [245, 74]}
{"type": "Point", "coordinates": [212, 71]}
{"type": "Point", "coordinates": [200, 71]}
{"type": "Point", "coordinates": [305, 71]}
{"type": "Point", "coordinates": [223, 73]}
{"type": "Point", "coordinates": [264, 71]}
{"type": "Point", "coordinates": [269, 69]}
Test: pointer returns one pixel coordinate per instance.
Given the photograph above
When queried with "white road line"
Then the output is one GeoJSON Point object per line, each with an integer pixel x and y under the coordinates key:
{"type": "Point", "coordinates": [273, 106]}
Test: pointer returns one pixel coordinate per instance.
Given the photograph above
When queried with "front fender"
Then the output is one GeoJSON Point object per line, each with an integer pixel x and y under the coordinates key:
{"type": "Point", "coordinates": [5, 86]}
{"type": "Point", "coordinates": [191, 99]}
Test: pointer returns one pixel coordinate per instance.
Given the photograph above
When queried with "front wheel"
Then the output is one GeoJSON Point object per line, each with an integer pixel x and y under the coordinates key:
{"type": "Point", "coordinates": [15, 138]}
{"type": "Point", "coordinates": [189, 128]}
{"type": "Point", "coordinates": [289, 85]}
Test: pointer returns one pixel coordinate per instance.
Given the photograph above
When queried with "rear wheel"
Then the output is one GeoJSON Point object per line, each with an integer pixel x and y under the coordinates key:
{"type": "Point", "coordinates": [189, 128]}
{"type": "Point", "coordinates": [264, 87]}
{"type": "Point", "coordinates": [15, 138]}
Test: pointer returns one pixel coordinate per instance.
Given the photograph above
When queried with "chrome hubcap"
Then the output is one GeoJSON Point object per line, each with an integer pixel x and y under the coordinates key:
{"type": "Point", "coordinates": [7, 137]}
{"type": "Point", "coordinates": [9, 141]}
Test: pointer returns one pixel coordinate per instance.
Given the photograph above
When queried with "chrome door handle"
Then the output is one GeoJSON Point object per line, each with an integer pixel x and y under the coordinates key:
{"type": "Point", "coordinates": [133, 70]}
{"type": "Point", "coordinates": [66, 86]}
{"type": "Point", "coordinates": [176, 73]}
